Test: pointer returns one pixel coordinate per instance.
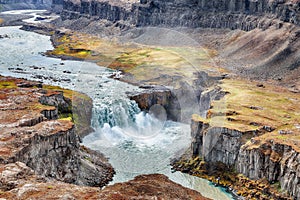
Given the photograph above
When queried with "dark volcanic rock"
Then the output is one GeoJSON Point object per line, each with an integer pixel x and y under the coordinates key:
{"type": "Point", "coordinates": [155, 95]}
{"type": "Point", "coordinates": [233, 14]}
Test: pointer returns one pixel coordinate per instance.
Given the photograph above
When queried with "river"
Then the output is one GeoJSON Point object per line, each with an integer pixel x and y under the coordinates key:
{"type": "Point", "coordinates": [135, 142]}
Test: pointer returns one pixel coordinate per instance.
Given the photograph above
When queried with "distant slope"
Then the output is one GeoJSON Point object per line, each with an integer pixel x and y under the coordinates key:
{"type": "Point", "coordinates": [24, 4]}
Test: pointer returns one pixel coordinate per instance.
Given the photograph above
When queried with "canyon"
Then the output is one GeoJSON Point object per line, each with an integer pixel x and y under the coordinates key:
{"type": "Point", "coordinates": [271, 26]}
{"type": "Point", "coordinates": [262, 45]}
{"type": "Point", "coordinates": [250, 124]}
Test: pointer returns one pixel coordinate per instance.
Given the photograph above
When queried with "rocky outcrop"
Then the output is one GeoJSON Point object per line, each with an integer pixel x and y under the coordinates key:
{"type": "Point", "coordinates": [233, 14]}
{"type": "Point", "coordinates": [153, 186]}
{"type": "Point", "coordinates": [32, 134]}
{"type": "Point", "coordinates": [24, 4]}
{"type": "Point", "coordinates": [26, 185]}
{"type": "Point", "coordinates": [162, 96]}
{"type": "Point", "coordinates": [62, 104]}
{"type": "Point", "coordinates": [276, 162]}
{"type": "Point", "coordinates": [58, 155]}
{"type": "Point", "coordinates": [215, 144]}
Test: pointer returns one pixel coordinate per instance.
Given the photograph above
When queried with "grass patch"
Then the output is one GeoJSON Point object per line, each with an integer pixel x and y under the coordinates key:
{"type": "Point", "coordinates": [7, 85]}
{"type": "Point", "coordinates": [66, 116]}
{"type": "Point", "coordinates": [145, 63]}
{"type": "Point", "coordinates": [269, 106]}
{"type": "Point", "coordinates": [67, 93]}
{"type": "Point", "coordinates": [67, 119]}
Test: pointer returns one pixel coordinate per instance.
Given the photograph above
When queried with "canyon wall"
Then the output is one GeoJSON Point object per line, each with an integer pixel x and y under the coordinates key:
{"type": "Point", "coordinates": [276, 162]}
{"type": "Point", "coordinates": [233, 14]}
{"type": "Point", "coordinates": [273, 161]}
{"type": "Point", "coordinates": [24, 4]}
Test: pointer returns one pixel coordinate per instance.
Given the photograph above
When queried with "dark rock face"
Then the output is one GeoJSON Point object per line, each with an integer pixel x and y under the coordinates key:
{"type": "Point", "coordinates": [215, 144]}
{"type": "Point", "coordinates": [24, 4]}
{"type": "Point", "coordinates": [59, 156]}
{"type": "Point", "coordinates": [61, 104]}
{"type": "Point", "coordinates": [276, 162]}
{"type": "Point", "coordinates": [233, 14]}
{"type": "Point", "coordinates": [273, 161]}
{"type": "Point", "coordinates": [158, 96]}
{"type": "Point", "coordinates": [100, 9]}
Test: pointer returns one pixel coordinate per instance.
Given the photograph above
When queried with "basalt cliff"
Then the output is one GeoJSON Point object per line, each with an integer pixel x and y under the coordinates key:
{"type": "Point", "coordinates": [272, 28]}
{"type": "Point", "coordinates": [233, 14]}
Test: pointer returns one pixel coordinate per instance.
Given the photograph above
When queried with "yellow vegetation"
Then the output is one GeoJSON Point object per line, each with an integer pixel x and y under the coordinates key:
{"type": "Point", "coordinates": [248, 107]}
{"type": "Point", "coordinates": [7, 85]}
{"type": "Point", "coordinates": [145, 63]}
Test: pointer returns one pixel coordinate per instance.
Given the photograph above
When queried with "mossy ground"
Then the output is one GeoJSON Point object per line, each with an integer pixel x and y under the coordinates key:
{"type": "Point", "coordinates": [150, 64]}
{"type": "Point", "coordinates": [251, 106]}
{"type": "Point", "coordinates": [7, 85]}
{"type": "Point", "coordinates": [78, 113]}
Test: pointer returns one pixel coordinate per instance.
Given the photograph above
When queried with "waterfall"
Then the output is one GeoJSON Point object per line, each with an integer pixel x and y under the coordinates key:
{"type": "Point", "coordinates": [117, 112]}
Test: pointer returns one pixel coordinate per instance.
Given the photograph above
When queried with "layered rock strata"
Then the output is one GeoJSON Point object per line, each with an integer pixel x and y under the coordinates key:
{"type": "Point", "coordinates": [233, 14]}
{"type": "Point", "coordinates": [32, 133]}
{"type": "Point", "coordinates": [274, 161]}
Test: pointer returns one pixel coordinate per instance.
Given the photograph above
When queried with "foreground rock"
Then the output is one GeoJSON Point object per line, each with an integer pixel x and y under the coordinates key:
{"type": "Point", "coordinates": [32, 133]}
{"type": "Point", "coordinates": [153, 186]}
{"type": "Point", "coordinates": [142, 187]}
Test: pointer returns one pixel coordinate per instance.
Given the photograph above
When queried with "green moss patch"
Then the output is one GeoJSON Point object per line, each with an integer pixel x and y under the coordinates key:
{"type": "Point", "coordinates": [7, 85]}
